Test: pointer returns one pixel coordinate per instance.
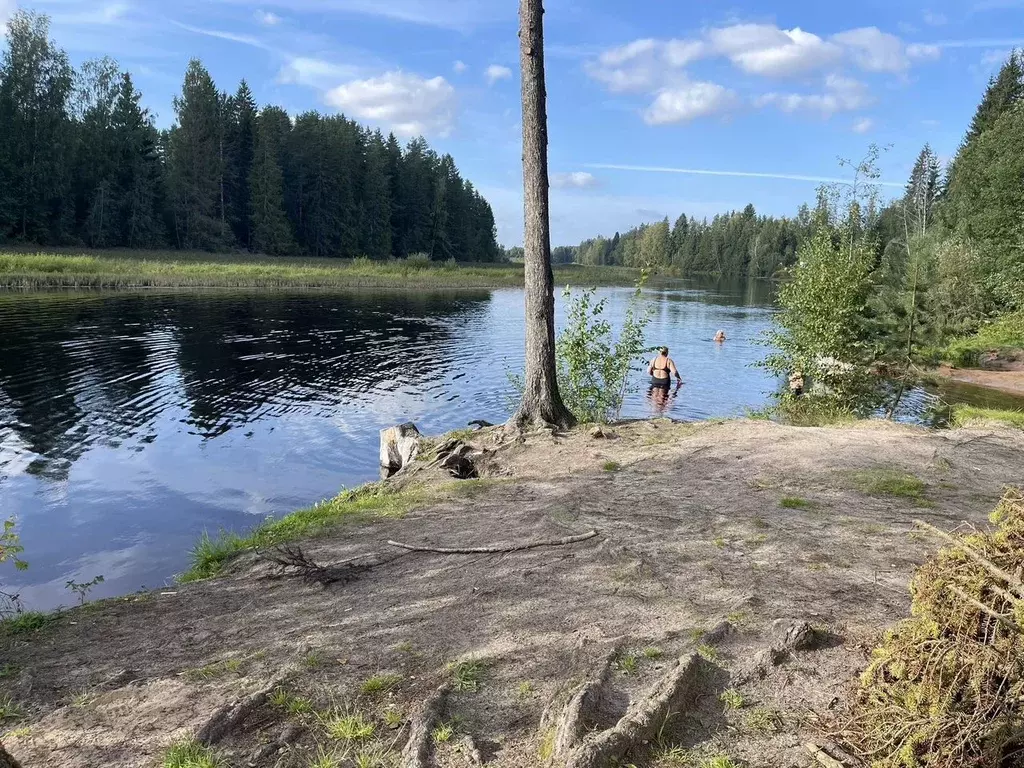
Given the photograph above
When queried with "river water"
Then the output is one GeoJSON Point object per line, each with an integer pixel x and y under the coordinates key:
{"type": "Point", "coordinates": [130, 423]}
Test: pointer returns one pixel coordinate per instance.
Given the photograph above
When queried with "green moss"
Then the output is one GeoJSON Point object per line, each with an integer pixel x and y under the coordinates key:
{"type": "Point", "coordinates": [210, 554]}
{"type": "Point", "coordinates": [611, 466]}
{"type": "Point", "coordinates": [795, 502]}
{"type": "Point", "coordinates": [969, 414]}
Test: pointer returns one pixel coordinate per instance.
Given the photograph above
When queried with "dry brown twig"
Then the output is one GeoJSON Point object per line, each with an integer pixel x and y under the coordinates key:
{"type": "Point", "coordinates": [495, 550]}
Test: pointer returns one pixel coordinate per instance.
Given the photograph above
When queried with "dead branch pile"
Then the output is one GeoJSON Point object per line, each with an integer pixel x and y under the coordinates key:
{"type": "Point", "coordinates": [946, 688]}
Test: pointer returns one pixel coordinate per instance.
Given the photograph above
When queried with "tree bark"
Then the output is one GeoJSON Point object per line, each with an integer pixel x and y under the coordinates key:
{"type": "Point", "coordinates": [541, 404]}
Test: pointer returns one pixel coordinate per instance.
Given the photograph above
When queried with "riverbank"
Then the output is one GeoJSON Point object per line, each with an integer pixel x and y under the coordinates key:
{"type": "Point", "coordinates": [173, 269]}
{"type": "Point", "coordinates": [345, 644]}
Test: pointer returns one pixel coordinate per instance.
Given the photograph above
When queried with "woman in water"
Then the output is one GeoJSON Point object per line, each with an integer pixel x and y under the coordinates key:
{"type": "Point", "coordinates": [720, 337]}
{"type": "Point", "coordinates": [661, 370]}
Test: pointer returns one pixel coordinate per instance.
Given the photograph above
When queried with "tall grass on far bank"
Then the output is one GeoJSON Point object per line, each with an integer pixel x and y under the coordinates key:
{"type": "Point", "coordinates": [210, 553]}
{"type": "Point", "coordinates": [964, 415]}
{"type": "Point", "coordinates": [1004, 335]}
{"type": "Point", "coordinates": [175, 269]}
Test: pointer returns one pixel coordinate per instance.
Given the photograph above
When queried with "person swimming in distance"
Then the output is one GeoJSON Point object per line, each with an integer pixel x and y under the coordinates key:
{"type": "Point", "coordinates": [720, 336]}
{"type": "Point", "coordinates": [661, 370]}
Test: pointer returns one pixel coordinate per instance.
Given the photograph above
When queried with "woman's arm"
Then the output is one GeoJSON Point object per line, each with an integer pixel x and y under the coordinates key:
{"type": "Point", "coordinates": [675, 371]}
{"type": "Point", "coordinates": [650, 368]}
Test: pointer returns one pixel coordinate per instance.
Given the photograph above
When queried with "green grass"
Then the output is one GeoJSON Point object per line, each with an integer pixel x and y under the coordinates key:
{"type": "Point", "coordinates": [795, 502]}
{"type": "Point", "coordinates": [611, 466]}
{"type": "Point", "coordinates": [380, 683]}
{"type": "Point", "coordinates": [290, 703]}
{"type": "Point", "coordinates": [466, 675]}
{"type": "Point", "coordinates": [210, 554]}
{"type": "Point", "coordinates": [325, 759]}
{"type": "Point", "coordinates": [719, 761]}
{"type": "Point", "coordinates": [889, 482]}
{"type": "Point", "coordinates": [189, 754]}
{"type": "Point", "coordinates": [348, 727]}
{"type": "Point", "coordinates": [1003, 335]}
{"type": "Point", "coordinates": [8, 670]}
{"type": "Point", "coordinates": [443, 733]}
{"type": "Point", "coordinates": [29, 621]}
{"type": "Point", "coordinates": [707, 652]}
{"type": "Point", "coordinates": [732, 699]}
{"type": "Point", "coordinates": [9, 709]}
{"type": "Point", "coordinates": [214, 670]}
{"type": "Point", "coordinates": [628, 664]}
{"type": "Point", "coordinates": [652, 652]}
{"type": "Point", "coordinates": [175, 269]}
{"type": "Point", "coordinates": [969, 414]}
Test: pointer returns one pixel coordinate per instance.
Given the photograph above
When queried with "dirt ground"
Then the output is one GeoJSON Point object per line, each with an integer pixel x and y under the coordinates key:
{"type": "Point", "coordinates": [745, 521]}
{"type": "Point", "coordinates": [1008, 379]}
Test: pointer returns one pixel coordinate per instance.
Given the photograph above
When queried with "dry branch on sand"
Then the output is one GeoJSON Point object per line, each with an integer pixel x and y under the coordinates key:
{"type": "Point", "coordinates": [496, 550]}
{"type": "Point", "coordinates": [946, 688]}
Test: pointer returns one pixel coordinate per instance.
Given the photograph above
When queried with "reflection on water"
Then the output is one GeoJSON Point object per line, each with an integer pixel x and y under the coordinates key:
{"type": "Point", "coordinates": [130, 423]}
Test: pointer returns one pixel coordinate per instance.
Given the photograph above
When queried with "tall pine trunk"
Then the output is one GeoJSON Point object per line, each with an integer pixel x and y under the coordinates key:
{"type": "Point", "coordinates": [541, 403]}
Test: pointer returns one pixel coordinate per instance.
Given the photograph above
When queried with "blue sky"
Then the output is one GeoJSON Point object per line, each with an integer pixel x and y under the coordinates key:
{"type": "Point", "coordinates": [754, 92]}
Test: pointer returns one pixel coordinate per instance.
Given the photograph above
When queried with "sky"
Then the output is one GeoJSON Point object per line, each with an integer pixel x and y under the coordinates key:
{"type": "Point", "coordinates": [656, 107]}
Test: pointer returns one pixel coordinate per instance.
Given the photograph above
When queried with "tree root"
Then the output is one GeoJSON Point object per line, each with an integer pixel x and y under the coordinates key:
{"type": "Point", "coordinates": [232, 715]}
{"type": "Point", "coordinates": [571, 725]}
{"type": "Point", "coordinates": [7, 760]}
{"type": "Point", "coordinates": [289, 735]}
{"type": "Point", "coordinates": [416, 752]}
{"type": "Point", "coordinates": [675, 692]}
{"type": "Point", "coordinates": [495, 550]}
{"type": "Point", "coordinates": [291, 558]}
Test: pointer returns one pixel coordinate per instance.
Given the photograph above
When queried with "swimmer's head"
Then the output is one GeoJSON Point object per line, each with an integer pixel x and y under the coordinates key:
{"type": "Point", "coordinates": [663, 351]}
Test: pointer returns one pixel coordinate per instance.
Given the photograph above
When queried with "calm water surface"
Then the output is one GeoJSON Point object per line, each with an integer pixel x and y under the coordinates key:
{"type": "Point", "coordinates": [130, 423]}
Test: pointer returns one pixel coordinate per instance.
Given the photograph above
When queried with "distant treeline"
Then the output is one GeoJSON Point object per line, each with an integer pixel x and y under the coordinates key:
{"type": "Point", "coordinates": [81, 163]}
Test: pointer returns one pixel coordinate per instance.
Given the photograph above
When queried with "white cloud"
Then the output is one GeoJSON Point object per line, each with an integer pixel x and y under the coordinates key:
{"type": "Point", "coordinates": [574, 180]}
{"type": "Point", "coordinates": [863, 124]}
{"type": "Point", "coordinates": [406, 103]}
{"type": "Point", "coordinates": [314, 73]}
{"type": "Point", "coordinates": [923, 52]}
{"type": "Point", "coordinates": [933, 19]}
{"type": "Point", "coordinates": [268, 19]}
{"type": "Point", "coordinates": [690, 101]}
{"type": "Point", "coordinates": [874, 50]}
{"type": "Point", "coordinates": [7, 8]}
{"type": "Point", "coordinates": [738, 174]}
{"type": "Point", "coordinates": [842, 94]}
{"type": "Point", "coordinates": [496, 72]}
{"type": "Point", "coordinates": [764, 49]}
{"type": "Point", "coordinates": [221, 35]}
{"type": "Point", "coordinates": [459, 66]}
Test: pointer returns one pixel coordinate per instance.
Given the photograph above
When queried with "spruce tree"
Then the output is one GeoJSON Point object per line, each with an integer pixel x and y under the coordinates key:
{"type": "Point", "coordinates": [138, 169]}
{"type": "Point", "coordinates": [241, 142]}
{"type": "Point", "coordinates": [269, 229]}
{"type": "Point", "coordinates": [376, 200]}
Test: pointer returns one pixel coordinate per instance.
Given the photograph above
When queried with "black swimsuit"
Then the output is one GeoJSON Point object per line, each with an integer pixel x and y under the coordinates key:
{"type": "Point", "coordinates": [666, 382]}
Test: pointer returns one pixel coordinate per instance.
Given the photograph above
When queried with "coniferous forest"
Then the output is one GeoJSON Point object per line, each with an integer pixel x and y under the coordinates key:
{"type": "Point", "coordinates": [83, 164]}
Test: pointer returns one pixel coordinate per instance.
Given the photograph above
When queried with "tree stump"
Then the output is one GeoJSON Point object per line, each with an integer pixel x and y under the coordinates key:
{"type": "Point", "coordinates": [399, 447]}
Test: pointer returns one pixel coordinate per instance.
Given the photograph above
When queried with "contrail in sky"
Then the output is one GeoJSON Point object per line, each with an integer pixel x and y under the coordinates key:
{"type": "Point", "coordinates": [743, 174]}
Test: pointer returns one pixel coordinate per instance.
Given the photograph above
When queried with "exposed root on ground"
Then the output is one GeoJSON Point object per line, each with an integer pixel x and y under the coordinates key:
{"type": "Point", "coordinates": [291, 559]}
{"type": "Point", "coordinates": [416, 752]}
{"type": "Point", "coordinates": [233, 715]}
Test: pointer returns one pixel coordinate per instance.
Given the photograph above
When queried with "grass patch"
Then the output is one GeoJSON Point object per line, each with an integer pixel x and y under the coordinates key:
{"type": "Point", "coordinates": [707, 652]}
{"type": "Point", "coordinates": [547, 745]}
{"type": "Point", "coordinates": [443, 733]}
{"type": "Point", "coordinates": [190, 754]}
{"type": "Point", "coordinates": [964, 415]}
{"type": "Point", "coordinates": [325, 759]}
{"type": "Point", "coordinates": [795, 502]}
{"type": "Point", "coordinates": [889, 482]}
{"type": "Point", "coordinates": [348, 727]}
{"type": "Point", "coordinates": [393, 717]}
{"type": "Point", "coordinates": [8, 670]}
{"type": "Point", "coordinates": [611, 466]}
{"type": "Point", "coordinates": [763, 720]}
{"type": "Point", "coordinates": [732, 699]}
{"type": "Point", "coordinates": [466, 675]}
{"type": "Point", "coordinates": [181, 269]}
{"type": "Point", "coordinates": [210, 554]}
{"type": "Point", "coordinates": [628, 663]}
{"type": "Point", "coordinates": [214, 670]}
{"type": "Point", "coordinates": [719, 543]}
{"type": "Point", "coordinates": [719, 761]}
{"type": "Point", "coordinates": [380, 683]}
{"type": "Point", "coordinates": [10, 709]}
{"type": "Point", "coordinates": [290, 703]}
{"type": "Point", "coordinates": [28, 621]}
{"type": "Point", "coordinates": [525, 689]}
{"type": "Point", "coordinates": [652, 652]}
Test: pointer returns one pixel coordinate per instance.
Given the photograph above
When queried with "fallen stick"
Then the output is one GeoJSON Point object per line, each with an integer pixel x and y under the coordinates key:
{"type": "Point", "coordinates": [495, 550]}
{"type": "Point", "coordinates": [822, 756]}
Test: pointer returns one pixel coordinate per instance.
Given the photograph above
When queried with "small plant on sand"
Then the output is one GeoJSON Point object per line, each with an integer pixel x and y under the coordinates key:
{"type": "Point", "coordinates": [546, 751]}
{"type": "Point", "coordinates": [82, 699]}
{"type": "Point", "coordinates": [611, 466]}
{"type": "Point", "coordinates": [719, 543]}
{"type": "Point", "coordinates": [525, 689]}
{"type": "Point", "coordinates": [628, 664]}
{"type": "Point", "coordinates": [652, 652]}
{"type": "Point", "coordinates": [190, 754]}
{"type": "Point", "coordinates": [672, 756]}
{"type": "Point", "coordinates": [404, 647]}
{"type": "Point", "coordinates": [762, 720]}
{"type": "Point", "coordinates": [290, 703]}
{"type": "Point", "coordinates": [312, 659]}
{"type": "Point", "coordinates": [946, 687]}
{"type": "Point", "coordinates": [8, 670]}
{"type": "Point", "coordinates": [380, 683]}
{"type": "Point", "coordinates": [719, 761]}
{"type": "Point", "coordinates": [375, 757]}
{"type": "Point", "coordinates": [393, 717]}
{"type": "Point", "coordinates": [795, 502]}
{"type": "Point", "coordinates": [466, 674]}
{"type": "Point", "coordinates": [82, 589]}
{"type": "Point", "coordinates": [213, 670]}
{"type": "Point", "coordinates": [732, 699]}
{"type": "Point", "coordinates": [350, 727]}
{"type": "Point", "coordinates": [889, 482]}
{"type": "Point", "coordinates": [707, 652]}
{"type": "Point", "coordinates": [9, 709]}
{"type": "Point", "coordinates": [443, 733]}
{"type": "Point", "coordinates": [325, 759]}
